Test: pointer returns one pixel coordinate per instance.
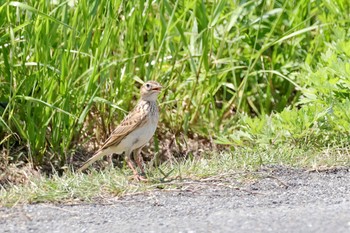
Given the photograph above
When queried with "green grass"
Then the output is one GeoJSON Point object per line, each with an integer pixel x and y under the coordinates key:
{"type": "Point", "coordinates": [245, 74]}
{"type": "Point", "coordinates": [65, 67]}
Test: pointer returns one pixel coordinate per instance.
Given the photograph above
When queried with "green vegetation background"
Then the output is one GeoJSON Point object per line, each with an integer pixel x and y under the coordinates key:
{"type": "Point", "coordinates": [248, 74]}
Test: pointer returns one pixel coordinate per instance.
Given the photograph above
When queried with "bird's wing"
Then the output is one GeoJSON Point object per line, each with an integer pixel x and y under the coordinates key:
{"type": "Point", "coordinates": [132, 121]}
{"type": "Point", "coordinates": [135, 119]}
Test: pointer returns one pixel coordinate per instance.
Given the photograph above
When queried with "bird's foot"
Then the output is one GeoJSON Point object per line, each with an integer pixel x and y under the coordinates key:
{"type": "Point", "coordinates": [140, 177]}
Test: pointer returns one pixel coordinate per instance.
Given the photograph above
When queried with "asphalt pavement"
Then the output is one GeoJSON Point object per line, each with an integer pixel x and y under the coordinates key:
{"type": "Point", "coordinates": [277, 199]}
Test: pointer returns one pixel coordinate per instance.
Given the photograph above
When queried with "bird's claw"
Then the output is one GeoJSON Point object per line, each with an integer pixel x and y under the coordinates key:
{"type": "Point", "coordinates": [138, 177]}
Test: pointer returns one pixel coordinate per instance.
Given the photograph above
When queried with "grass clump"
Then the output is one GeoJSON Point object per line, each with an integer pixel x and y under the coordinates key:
{"type": "Point", "coordinates": [68, 70]}
{"type": "Point", "coordinates": [250, 75]}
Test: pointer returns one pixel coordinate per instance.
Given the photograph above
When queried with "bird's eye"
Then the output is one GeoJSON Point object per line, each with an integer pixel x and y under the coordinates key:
{"type": "Point", "coordinates": [148, 86]}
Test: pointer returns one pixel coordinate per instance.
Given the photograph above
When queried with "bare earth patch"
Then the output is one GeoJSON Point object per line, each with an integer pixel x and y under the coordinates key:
{"type": "Point", "coordinates": [276, 199]}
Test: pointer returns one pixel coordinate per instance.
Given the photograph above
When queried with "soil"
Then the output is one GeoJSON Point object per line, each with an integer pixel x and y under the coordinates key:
{"type": "Point", "coordinates": [274, 199]}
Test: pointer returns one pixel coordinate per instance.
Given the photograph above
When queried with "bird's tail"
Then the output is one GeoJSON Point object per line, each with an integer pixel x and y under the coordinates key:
{"type": "Point", "coordinates": [98, 155]}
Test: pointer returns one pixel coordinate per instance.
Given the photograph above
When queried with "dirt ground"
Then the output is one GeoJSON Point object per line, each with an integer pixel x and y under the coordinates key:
{"type": "Point", "coordinates": [274, 199]}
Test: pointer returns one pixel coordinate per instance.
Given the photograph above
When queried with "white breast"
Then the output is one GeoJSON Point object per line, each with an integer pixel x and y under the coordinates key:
{"type": "Point", "coordinates": [139, 137]}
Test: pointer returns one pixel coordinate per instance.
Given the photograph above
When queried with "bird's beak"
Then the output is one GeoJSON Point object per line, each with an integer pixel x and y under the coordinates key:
{"type": "Point", "coordinates": [157, 88]}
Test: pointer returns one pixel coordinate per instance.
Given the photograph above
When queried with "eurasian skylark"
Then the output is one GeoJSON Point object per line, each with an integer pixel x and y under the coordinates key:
{"type": "Point", "coordinates": [134, 131]}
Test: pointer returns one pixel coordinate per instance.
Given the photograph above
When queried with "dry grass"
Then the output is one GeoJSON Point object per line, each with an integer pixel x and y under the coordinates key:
{"type": "Point", "coordinates": [26, 185]}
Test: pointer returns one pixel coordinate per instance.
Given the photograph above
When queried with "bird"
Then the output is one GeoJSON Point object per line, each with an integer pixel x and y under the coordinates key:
{"type": "Point", "coordinates": [134, 131]}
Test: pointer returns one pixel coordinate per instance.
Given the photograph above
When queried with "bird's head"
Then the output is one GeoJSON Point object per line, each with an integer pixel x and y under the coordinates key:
{"type": "Point", "coordinates": [150, 90]}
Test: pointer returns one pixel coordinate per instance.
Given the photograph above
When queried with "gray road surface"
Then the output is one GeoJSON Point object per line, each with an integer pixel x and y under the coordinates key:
{"type": "Point", "coordinates": [281, 200]}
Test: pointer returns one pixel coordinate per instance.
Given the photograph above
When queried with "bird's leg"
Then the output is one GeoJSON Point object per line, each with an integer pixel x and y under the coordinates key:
{"type": "Point", "coordinates": [139, 160]}
{"type": "Point", "coordinates": [109, 160]}
{"type": "Point", "coordinates": [131, 165]}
